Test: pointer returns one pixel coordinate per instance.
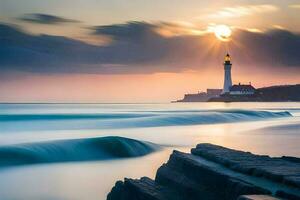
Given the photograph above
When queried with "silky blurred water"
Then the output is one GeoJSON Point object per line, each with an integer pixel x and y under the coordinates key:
{"type": "Point", "coordinates": [263, 128]}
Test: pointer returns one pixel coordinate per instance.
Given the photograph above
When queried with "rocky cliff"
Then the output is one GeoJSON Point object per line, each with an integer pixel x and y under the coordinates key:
{"type": "Point", "coordinates": [213, 172]}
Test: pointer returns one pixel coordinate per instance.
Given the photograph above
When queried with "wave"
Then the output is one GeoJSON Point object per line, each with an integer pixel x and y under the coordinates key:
{"type": "Point", "coordinates": [131, 119]}
{"type": "Point", "coordinates": [206, 117]}
{"type": "Point", "coordinates": [31, 117]}
{"type": "Point", "coordinates": [91, 149]}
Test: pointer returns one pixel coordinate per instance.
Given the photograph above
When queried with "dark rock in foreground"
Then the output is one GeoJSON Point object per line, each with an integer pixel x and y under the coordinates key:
{"type": "Point", "coordinates": [212, 172]}
{"type": "Point", "coordinates": [282, 170]}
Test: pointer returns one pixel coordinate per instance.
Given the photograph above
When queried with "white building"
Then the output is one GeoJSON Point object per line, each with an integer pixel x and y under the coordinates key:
{"type": "Point", "coordinates": [242, 89]}
{"type": "Point", "coordinates": [227, 77]}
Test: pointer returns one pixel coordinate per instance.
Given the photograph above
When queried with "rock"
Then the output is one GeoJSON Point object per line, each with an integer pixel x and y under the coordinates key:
{"type": "Point", "coordinates": [286, 195]}
{"type": "Point", "coordinates": [195, 179]}
{"type": "Point", "coordinates": [257, 197]}
{"type": "Point", "coordinates": [212, 172]}
{"type": "Point", "coordinates": [144, 188]}
{"type": "Point", "coordinates": [276, 169]}
{"type": "Point", "coordinates": [291, 159]}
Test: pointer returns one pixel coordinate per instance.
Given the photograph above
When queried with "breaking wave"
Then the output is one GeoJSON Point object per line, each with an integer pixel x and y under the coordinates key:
{"type": "Point", "coordinates": [25, 122]}
{"type": "Point", "coordinates": [31, 117]}
{"type": "Point", "coordinates": [203, 117]}
{"type": "Point", "coordinates": [74, 150]}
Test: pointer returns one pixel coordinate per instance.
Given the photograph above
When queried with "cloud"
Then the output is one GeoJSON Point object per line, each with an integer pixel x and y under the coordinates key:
{"type": "Point", "coordinates": [137, 29]}
{"type": "Point", "coordinates": [297, 6]}
{"type": "Point", "coordinates": [276, 26]}
{"type": "Point", "coordinates": [240, 11]}
{"type": "Point", "coordinates": [274, 48]}
{"type": "Point", "coordinates": [130, 29]}
{"type": "Point", "coordinates": [40, 18]}
{"type": "Point", "coordinates": [137, 47]}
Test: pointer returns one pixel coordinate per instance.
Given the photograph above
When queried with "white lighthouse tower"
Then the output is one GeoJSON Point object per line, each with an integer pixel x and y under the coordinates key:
{"type": "Point", "coordinates": [227, 77]}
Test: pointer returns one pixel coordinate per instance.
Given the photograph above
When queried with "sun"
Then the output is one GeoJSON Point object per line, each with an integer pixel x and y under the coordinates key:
{"type": "Point", "coordinates": [223, 32]}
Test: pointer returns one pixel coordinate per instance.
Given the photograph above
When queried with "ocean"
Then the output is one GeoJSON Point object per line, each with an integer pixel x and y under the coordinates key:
{"type": "Point", "coordinates": [78, 151]}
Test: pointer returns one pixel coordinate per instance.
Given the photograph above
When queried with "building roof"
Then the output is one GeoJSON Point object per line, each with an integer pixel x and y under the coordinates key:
{"type": "Point", "coordinates": [227, 59]}
{"type": "Point", "coordinates": [241, 87]}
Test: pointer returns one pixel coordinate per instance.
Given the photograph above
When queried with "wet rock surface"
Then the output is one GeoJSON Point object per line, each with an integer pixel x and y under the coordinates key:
{"type": "Point", "coordinates": [213, 172]}
{"type": "Point", "coordinates": [257, 197]}
{"type": "Point", "coordinates": [285, 170]}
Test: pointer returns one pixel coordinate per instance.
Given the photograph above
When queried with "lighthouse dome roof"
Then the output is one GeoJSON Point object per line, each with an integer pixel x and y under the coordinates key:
{"type": "Point", "coordinates": [227, 57]}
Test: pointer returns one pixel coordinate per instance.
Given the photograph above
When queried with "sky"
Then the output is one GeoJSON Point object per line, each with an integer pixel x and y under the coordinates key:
{"type": "Point", "coordinates": [142, 51]}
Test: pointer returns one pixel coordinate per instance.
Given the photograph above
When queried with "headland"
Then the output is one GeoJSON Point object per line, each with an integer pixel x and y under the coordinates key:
{"type": "Point", "coordinates": [244, 92]}
{"type": "Point", "coordinates": [278, 93]}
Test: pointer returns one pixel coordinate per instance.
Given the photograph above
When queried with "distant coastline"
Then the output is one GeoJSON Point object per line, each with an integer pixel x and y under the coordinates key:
{"type": "Point", "coordinates": [244, 92]}
{"type": "Point", "coordinates": [278, 93]}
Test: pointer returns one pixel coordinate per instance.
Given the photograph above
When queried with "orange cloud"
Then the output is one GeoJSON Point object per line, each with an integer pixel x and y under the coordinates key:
{"type": "Point", "coordinates": [297, 6]}
{"type": "Point", "coordinates": [240, 11]}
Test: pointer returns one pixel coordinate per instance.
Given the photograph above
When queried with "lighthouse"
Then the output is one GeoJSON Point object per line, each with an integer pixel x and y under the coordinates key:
{"type": "Point", "coordinates": [227, 74]}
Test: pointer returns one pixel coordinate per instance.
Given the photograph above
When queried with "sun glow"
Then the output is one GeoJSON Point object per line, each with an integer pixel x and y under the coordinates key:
{"type": "Point", "coordinates": [222, 32]}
